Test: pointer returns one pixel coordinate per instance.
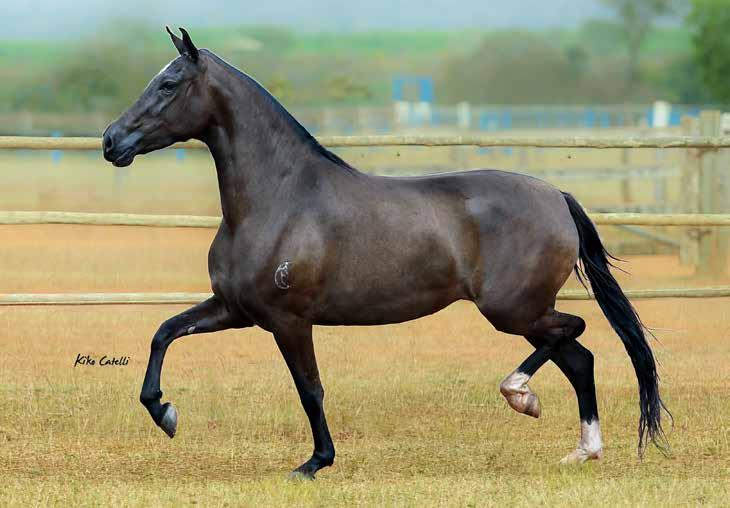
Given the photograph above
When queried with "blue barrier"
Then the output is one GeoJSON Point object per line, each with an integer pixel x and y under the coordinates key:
{"type": "Point", "coordinates": [506, 122]}
{"type": "Point", "coordinates": [56, 154]}
{"type": "Point", "coordinates": [589, 118]}
{"type": "Point", "coordinates": [605, 119]}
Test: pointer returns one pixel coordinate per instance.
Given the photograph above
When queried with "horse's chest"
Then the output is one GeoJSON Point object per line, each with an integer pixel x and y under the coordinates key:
{"type": "Point", "coordinates": [254, 277]}
{"type": "Point", "coordinates": [227, 260]}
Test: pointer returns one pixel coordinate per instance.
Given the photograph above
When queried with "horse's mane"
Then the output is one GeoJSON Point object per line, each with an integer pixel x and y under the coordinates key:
{"type": "Point", "coordinates": [304, 135]}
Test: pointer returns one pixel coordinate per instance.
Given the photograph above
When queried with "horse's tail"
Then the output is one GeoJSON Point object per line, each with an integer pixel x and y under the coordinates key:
{"type": "Point", "coordinates": [594, 264]}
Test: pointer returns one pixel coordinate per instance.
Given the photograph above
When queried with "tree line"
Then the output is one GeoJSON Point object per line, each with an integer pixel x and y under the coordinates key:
{"type": "Point", "coordinates": [643, 53]}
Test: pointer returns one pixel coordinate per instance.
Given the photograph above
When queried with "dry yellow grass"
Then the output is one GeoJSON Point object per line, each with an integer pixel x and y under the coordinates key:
{"type": "Point", "coordinates": [414, 411]}
{"type": "Point", "coordinates": [414, 408]}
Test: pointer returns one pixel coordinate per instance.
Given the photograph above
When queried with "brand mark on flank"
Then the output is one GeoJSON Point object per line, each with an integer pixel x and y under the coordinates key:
{"type": "Point", "coordinates": [281, 276]}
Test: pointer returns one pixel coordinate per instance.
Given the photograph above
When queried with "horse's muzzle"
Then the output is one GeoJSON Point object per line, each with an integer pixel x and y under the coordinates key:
{"type": "Point", "coordinates": [119, 148]}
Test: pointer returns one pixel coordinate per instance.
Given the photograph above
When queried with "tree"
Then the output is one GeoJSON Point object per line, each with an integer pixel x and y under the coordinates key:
{"type": "Point", "coordinates": [637, 18]}
{"type": "Point", "coordinates": [710, 20]}
{"type": "Point", "coordinates": [510, 68]}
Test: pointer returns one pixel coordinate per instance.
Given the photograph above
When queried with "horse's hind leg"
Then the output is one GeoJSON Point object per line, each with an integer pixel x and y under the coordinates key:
{"type": "Point", "coordinates": [551, 329]}
{"type": "Point", "coordinates": [576, 362]}
{"type": "Point", "coordinates": [554, 336]}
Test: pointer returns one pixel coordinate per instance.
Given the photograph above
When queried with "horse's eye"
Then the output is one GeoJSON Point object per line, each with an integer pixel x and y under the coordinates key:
{"type": "Point", "coordinates": [168, 86]}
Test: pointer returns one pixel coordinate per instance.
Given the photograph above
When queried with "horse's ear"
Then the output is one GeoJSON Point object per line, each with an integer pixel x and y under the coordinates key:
{"type": "Point", "coordinates": [190, 48]}
{"type": "Point", "coordinates": [177, 41]}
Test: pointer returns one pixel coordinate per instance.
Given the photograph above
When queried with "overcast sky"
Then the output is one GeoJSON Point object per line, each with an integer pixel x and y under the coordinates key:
{"type": "Point", "coordinates": [28, 19]}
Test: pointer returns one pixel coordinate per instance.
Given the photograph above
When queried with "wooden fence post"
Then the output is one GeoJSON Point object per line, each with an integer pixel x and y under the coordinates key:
{"type": "Point", "coordinates": [690, 195]}
{"type": "Point", "coordinates": [712, 243]}
{"type": "Point", "coordinates": [626, 200]}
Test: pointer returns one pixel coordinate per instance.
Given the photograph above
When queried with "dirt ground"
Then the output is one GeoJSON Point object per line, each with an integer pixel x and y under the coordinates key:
{"type": "Point", "coordinates": [414, 409]}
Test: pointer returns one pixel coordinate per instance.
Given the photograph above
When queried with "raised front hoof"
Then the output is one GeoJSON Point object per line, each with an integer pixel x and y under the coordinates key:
{"type": "Point", "coordinates": [580, 456]}
{"type": "Point", "coordinates": [168, 423]}
{"type": "Point", "coordinates": [526, 402]}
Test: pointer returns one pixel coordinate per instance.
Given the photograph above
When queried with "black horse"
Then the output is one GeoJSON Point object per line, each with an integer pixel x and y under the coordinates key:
{"type": "Point", "coordinates": [307, 239]}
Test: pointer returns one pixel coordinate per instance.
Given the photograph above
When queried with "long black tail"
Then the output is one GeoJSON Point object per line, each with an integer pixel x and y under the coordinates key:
{"type": "Point", "coordinates": [594, 264]}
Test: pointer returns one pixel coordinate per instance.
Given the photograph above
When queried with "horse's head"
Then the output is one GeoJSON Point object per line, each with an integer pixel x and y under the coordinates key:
{"type": "Point", "coordinates": [174, 107]}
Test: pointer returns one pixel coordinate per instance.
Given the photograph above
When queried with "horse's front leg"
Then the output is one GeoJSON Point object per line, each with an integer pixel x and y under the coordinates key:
{"type": "Point", "coordinates": [208, 316]}
{"type": "Point", "coordinates": [298, 350]}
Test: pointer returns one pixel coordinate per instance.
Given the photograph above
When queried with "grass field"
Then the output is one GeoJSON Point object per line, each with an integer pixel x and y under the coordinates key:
{"type": "Point", "coordinates": [30, 68]}
{"type": "Point", "coordinates": [414, 409]}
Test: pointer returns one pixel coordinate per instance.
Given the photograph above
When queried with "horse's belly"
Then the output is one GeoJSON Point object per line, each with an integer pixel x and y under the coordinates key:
{"type": "Point", "coordinates": [388, 311]}
{"type": "Point", "coordinates": [389, 298]}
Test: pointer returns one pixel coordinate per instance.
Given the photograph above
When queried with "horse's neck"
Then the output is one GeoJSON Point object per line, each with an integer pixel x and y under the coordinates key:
{"type": "Point", "coordinates": [257, 154]}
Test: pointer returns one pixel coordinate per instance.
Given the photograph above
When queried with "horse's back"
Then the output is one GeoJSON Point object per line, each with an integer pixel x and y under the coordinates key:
{"type": "Point", "coordinates": [502, 205]}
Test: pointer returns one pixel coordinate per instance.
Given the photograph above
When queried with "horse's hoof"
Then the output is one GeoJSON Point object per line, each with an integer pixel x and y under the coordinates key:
{"type": "Point", "coordinates": [514, 388]}
{"type": "Point", "coordinates": [526, 402]}
{"type": "Point", "coordinates": [532, 406]}
{"type": "Point", "coordinates": [580, 456]}
{"type": "Point", "coordinates": [300, 476]}
{"type": "Point", "coordinates": [169, 420]}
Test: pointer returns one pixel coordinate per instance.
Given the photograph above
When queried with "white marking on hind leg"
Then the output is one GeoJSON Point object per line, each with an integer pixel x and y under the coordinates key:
{"type": "Point", "coordinates": [518, 394]}
{"type": "Point", "coordinates": [590, 446]}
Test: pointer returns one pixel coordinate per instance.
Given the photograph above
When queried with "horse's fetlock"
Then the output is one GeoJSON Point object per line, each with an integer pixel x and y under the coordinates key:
{"type": "Point", "coordinates": [326, 458]}
{"type": "Point", "coordinates": [146, 398]}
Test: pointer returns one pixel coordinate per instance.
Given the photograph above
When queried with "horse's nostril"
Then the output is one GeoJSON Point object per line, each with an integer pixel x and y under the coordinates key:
{"type": "Point", "coordinates": [108, 142]}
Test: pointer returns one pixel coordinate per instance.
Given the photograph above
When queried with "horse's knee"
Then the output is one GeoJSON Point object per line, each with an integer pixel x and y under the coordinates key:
{"type": "Point", "coordinates": [165, 334]}
{"type": "Point", "coordinates": [312, 398]}
{"type": "Point", "coordinates": [147, 397]}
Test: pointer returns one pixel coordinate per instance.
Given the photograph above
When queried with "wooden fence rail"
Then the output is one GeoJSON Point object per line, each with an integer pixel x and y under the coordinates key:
{"type": "Point", "coordinates": [37, 299]}
{"type": "Point", "coordinates": [705, 142]}
{"type": "Point", "coordinates": [195, 221]}
{"type": "Point", "coordinates": [109, 219]}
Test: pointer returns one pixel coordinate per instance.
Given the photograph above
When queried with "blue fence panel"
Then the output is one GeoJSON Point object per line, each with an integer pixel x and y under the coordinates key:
{"type": "Point", "coordinates": [484, 121]}
{"type": "Point", "coordinates": [506, 122]}
{"type": "Point", "coordinates": [589, 118]}
{"type": "Point", "coordinates": [605, 119]}
{"type": "Point", "coordinates": [675, 117]}
{"type": "Point", "coordinates": [56, 154]}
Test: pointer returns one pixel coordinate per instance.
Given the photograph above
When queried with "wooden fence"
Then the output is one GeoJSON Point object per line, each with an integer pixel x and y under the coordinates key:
{"type": "Point", "coordinates": [700, 178]}
{"type": "Point", "coordinates": [713, 141]}
{"type": "Point", "coordinates": [196, 221]}
{"type": "Point", "coordinates": [26, 299]}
